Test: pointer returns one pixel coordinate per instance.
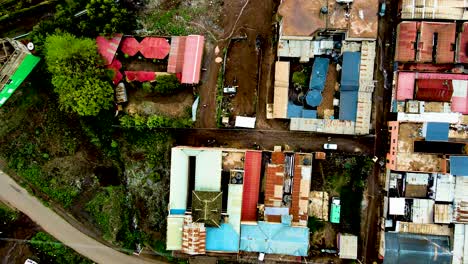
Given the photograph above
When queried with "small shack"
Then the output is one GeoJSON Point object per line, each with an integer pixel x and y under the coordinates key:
{"type": "Point", "coordinates": [347, 246]}
{"type": "Point", "coordinates": [206, 207]}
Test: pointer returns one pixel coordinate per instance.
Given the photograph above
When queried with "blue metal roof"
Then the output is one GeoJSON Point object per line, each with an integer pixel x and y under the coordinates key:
{"type": "Point", "coordinates": [306, 113]}
{"type": "Point", "coordinates": [350, 71]}
{"type": "Point", "coordinates": [314, 98]}
{"type": "Point", "coordinates": [459, 165]}
{"type": "Point", "coordinates": [274, 238]}
{"type": "Point", "coordinates": [318, 76]}
{"type": "Point", "coordinates": [437, 131]}
{"type": "Point", "coordinates": [223, 238]}
{"type": "Point", "coordinates": [416, 249]}
{"type": "Point", "coordinates": [348, 105]}
{"type": "Point", "coordinates": [294, 110]}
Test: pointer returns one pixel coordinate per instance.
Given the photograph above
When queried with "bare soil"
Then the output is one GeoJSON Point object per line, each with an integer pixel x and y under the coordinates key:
{"type": "Point", "coordinates": [175, 106]}
{"type": "Point", "coordinates": [328, 92]}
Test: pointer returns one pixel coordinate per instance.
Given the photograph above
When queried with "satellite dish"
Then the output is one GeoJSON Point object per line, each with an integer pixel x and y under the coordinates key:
{"type": "Point", "coordinates": [30, 46]}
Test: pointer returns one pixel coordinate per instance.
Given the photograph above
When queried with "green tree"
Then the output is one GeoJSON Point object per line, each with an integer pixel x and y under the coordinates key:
{"type": "Point", "coordinates": [106, 16]}
{"type": "Point", "coordinates": [147, 87]}
{"type": "Point", "coordinates": [167, 84]}
{"type": "Point", "coordinates": [300, 79]}
{"type": "Point", "coordinates": [81, 85]}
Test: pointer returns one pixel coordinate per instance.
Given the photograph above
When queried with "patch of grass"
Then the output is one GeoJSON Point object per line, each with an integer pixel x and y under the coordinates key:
{"type": "Point", "coordinates": [51, 249]}
{"type": "Point", "coordinates": [173, 22]}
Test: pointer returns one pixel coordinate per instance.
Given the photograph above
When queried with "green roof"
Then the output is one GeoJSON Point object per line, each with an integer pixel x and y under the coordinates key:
{"type": "Point", "coordinates": [206, 207]}
{"type": "Point", "coordinates": [335, 213]}
{"type": "Point", "coordinates": [25, 68]}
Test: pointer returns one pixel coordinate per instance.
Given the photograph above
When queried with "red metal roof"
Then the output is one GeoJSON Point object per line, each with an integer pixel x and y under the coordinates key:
{"type": "Point", "coordinates": [445, 33]}
{"type": "Point", "coordinates": [154, 48]}
{"type": "Point", "coordinates": [463, 44]}
{"type": "Point", "coordinates": [130, 46]}
{"type": "Point", "coordinates": [192, 59]}
{"type": "Point", "coordinates": [405, 89]}
{"type": "Point", "coordinates": [115, 66]}
{"type": "Point", "coordinates": [140, 76]}
{"type": "Point", "coordinates": [252, 168]}
{"type": "Point", "coordinates": [277, 157]}
{"type": "Point", "coordinates": [108, 47]}
{"type": "Point", "coordinates": [406, 37]}
{"type": "Point", "coordinates": [460, 104]}
{"type": "Point", "coordinates": [176, 55]}
{"type": "Point", "coordinates": [434, 90]}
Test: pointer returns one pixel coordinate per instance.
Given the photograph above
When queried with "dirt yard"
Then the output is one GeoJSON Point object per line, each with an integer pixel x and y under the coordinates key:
{"type": "Point", "coordinates": [175, 106]}
{"type": "Point", "coordinates": [328, 92]}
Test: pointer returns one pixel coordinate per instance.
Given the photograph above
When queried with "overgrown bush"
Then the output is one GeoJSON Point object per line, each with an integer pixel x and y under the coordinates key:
{"type": "Point", "coordinates": [55, 251]}
{"type": "Point", "coordinates": [139, 122]}
{"type": "Point", "coordinates": [299, 78]}
{"type": "Point", "coordinates": [167, 84]}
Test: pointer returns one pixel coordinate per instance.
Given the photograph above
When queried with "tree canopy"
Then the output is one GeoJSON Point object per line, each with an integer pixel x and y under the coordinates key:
{"type": "Point", "coordinates": [166, 84]}
{"type": "Point", "coordinates": [106, 16]}
{"type": "Point", "coordinates": [81, 85]}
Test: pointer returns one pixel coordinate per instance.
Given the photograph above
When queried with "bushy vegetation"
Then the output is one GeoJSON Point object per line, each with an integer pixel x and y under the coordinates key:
{"type": "Point", "coordinates": [80, 84]}
{"type": "Point", "coordinates": [106, 16]}
{"type": "Point", "coordinates": [139, 122]}
{"type": "Point", "coordinates": [165, 84]}
{"type": "Point", "coordinates": [173, 22]}
{"type": "Point", "coordinates": [54, 251]}
{"type": "Point", "coordinates": [299, 78]}
{"type": "Point", "coordinates": [7, 216]}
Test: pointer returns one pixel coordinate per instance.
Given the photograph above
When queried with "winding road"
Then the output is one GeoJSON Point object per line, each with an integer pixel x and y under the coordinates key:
{"type": "Point", "coordinates": [18, 197]}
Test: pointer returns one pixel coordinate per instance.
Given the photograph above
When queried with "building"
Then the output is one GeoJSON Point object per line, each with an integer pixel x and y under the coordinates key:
{"type": "Point", "coordinates": [320, 31]}
{"type": "Point", "coordinates": [214, 201]}
{"type": "Point", "coordinates": [179, 55]}
{"type": "Point", "coordinates": [16, 63]}
{"type": "Point", "coordinates": [347, 246]}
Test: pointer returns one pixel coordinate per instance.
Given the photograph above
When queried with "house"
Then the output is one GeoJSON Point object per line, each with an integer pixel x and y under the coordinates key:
{"type": "Point", "coordinates": [347, 246]}
{"type": "Point", "coordinates": [16, 63]}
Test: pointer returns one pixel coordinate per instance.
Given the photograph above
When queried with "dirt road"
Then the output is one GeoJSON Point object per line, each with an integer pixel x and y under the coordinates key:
{"type": "Point", "coordinates": [18, 197]}
{"type": "Point", "coordinates": [267, 139]}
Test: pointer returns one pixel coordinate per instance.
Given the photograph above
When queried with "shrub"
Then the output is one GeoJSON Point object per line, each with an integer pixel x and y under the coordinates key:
{"type": "Point", "coordinates": [300, 78]}
{"type": "Point", "coordinates": [167, 84]}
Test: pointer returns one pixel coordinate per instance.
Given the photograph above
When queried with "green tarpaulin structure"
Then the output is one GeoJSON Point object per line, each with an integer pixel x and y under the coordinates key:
{"type": "Point", "coordinates": [206, 207]}
{"type": "Point", "coordinates": [25, 68]}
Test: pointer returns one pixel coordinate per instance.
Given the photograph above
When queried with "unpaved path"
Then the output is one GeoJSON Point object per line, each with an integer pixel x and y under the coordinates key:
{"type": "Point", "coordinates": [18, 197]}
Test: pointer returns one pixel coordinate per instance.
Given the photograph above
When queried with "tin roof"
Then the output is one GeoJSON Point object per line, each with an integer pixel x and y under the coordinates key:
{"type": "Point", "coordinates": [434, 90]}
{"type": "Point", "coordinates": [348, 246]}
{"type": "Point", "coordinates": [459, 165]}
{"type": "Point", "coordinates": [179, 179]}
{"type": "Point", "coordinates": [174, 232]}
{"type": "Point", "coordinates": [406, 39]}
{"type": "Point", "coordinates": [222, 239]}
{"type": "Point", "coordinates": [397, 206]}
{"type": "Point", "coordinates": [107, 47]}
{"type": "Point", "coordinates": [252, 168]}
{"type": "Point", "coordinates": [130, 46]}
{"type": "Point", "coordinates": [350, 71]}
{"type": "Point", "coordinates": [414, 248]}
{"type": "Point", "coordinates": [140, 76]}
{"type": "Point", "coordinates": [444, 188]}
{"type": "Point", "coordinates": [280, 98]}
{"type": "Point", "coordinates": [274, 238]}
{"type": "Point", "coordinates": [460, 204]}
{"type": "Point", "coordinates": [176, 55]}
{"type": "Point", "coordinates": [193, 55]}
{"type": "Point", "coordinates": [433, 9]}
{"type": "Point", "coordinates": [348, 105]}
{"type": "Point", "coordinates": [206, 207]}
{"type": "Point", "coordinates": [405, 85]}
{"type": "Point", "coordinates": [154, 48]}
{"type": "Point", "coordinates": [443, 213]}
{"type": "Point", "coordinates": [303, 18]}
{"type": "Point", "coordinates": [460, 239]}
{"type": "Point", "coordinates": [444, 51]}
{"type": "Point", "coordinates": [436, 131]}
{"type": "Point", "coordinates": [463, 44]}
{"type": "Point", "coordinates": [318, 75]}
{"type": "Point", "coordinates": [234, 205]}
{"type": "Point", "coordinates": [422, 211]}
{"type": "Point", "coordinates": [208, 170]}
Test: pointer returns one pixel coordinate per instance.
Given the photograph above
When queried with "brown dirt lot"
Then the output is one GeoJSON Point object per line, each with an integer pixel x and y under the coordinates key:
{"type": "Point", "coordinates": [174, 106]}
{"type": "Point", "coordinates": [329, 91]}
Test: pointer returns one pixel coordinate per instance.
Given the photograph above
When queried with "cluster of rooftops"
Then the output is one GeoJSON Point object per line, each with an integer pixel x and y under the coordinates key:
{"type": "Point", "coordinates": [424, 218]}
{"type": "Point", "coordinates": [217, 203]}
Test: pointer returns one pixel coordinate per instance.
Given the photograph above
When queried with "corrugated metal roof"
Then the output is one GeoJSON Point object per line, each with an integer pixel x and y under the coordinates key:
{"type": "Point", "coordinates": [108, 47]}
{"type": "Point", "coordinates": [318, 205]}
{"type": "Point", "coordinates": [412, 248]}
{"type": "Point", "coordinates": [405, 44]}
{"type": "Point", "coordinates": [436, 131]}
{"type": "Point", "coordinates": [193, 55]}
{"type": "Point", "coordinates": [433, 9]}
{"type": "Point", "coordinates": [234, 205]}
{"type": "Point", "coordinates": [444, 188]}
{"type": "Point", "coordinates": [459, 165]}
{"type": "Point", "coordinates": [405, 85]}
{"type": "Point", "coordinates": [313, 98]}
{"type": "Point", "coordinates": [460, 234]}
{"type": "Point", "coordinates": [350, 71]}
{"type": "Point", "coordinates": [273, 238]}
{"type": "Point", "coordinates": [252, 168]}
{"type": "Point", "coordinates": [280, 98]}
{"type": "Point", "coordinates": [154, 48]}
{"type": "Point", "coordinates": [444, 52]}
{"type": "Point", "coordinates": [397, 206]}
{"type": "Point", "coordinates": [140, 76]}
{"type": "Point", "coordinates": [245, 121]}
{"type": "Point", "coordinates": [422, 211]}
{"type": "Point", "coordinates": [333, 126]}
{"type": "Point", "coordinates": [463, 45]}
{"type": "Point", "coordinates": [443, 213]}
{"type": "Point", "coordinates": [426, 229]}
{"type": "Point", "coordinates": [294, 110]}
{"type": "Point", "coordinates": [335, 213]}
{"type": "Point", "coordinates": [208, 170]}
{"type": "Point", "coordinates": [348, 105]}
{"type": "Point", "coordinates": [434, 90]}
{"type": "Point", "coordinates": [318, 74]}
{"type": "Point", "coordinates": [25, 68]}
{"type": "Point", "coordinates": [309, 113]}
{"type": "Point", "coordinates": [460, 204]}
{"type": "Point", "coordinates": [174, 232]}
{"type": "Point", "coordinates": [175, 62]}
{"type": "Point", "coordinates": [222, 239]}
{"type": "Point", "coordinates": [348, 246]}
{"type": "Point", "coordinates": [179, 179]}
{"type": "Point", "coordinates": [130, 46]}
